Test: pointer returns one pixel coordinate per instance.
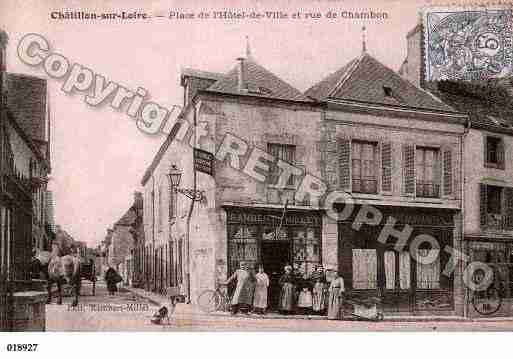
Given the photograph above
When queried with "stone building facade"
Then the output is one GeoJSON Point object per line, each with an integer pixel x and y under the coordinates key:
{"type": "Point", "coordinates": [277, 148]}
{"type": "Point", "coordinates": [488, 177]}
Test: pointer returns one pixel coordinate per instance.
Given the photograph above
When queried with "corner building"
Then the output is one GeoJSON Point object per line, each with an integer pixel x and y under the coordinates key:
{"type": "Point", "coordinates": [363, 130]}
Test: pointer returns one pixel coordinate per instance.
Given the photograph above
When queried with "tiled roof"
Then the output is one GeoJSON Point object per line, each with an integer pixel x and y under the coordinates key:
{"type": "Point", "coordinates": [202, 74]}
{"type": "Point", "coordinates": [26, 99]}
{"type": "Point", "coordinates": [260, 81]}
{"type": "Point", "coordinates": [127, 219]}
{"type": "Point", "coordinates": [322, 89]}
{"type": "Point", "coordinates": [489, 105]}
{"type": "Point", "coordinates": [365, 79]}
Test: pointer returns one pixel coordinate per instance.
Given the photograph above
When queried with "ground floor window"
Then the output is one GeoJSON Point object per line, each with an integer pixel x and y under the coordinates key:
{"type": "Point", "coordinates": [499, 256]}
{"type": "Point", "coordinates": [257, 237]}
{"type": "Point", "coordinates": [405, 281]}
{"type": "Point", "coordinates": [365, 269]}
{"type": "Point", "coordinates": [428, 271]}
{"type": "Point", "coordinates": [274, 239]}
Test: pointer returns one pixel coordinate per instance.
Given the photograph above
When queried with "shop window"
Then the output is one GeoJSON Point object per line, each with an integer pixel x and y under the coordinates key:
{"type": "Point", "coordinates": [392, 260]}
{"type": "Point", "coordinates": [364, 167]}
{"type": "Point", "coordinates": [273, 234]}
{"type": "Point", "coordinates": [497, 260]}
{"type": "Point", "coordinates": [286, 153]}
{"type": "Point", "coordinates": [364, 269]}
{"type": "Point", "coordinates": [306, 249]}
{"type": "Point", "coordinates": [428, 274]}
{"type": "Point", "coordinates": [242, 245]}
{"type": "Point", "coordinates": [494, 152]}
{"type": "Point", "coordinates": [404, 270]}
{"type": "Point", "coordinates": [389, 259]}
{"type": "Point", "coordinates": [427, 172]}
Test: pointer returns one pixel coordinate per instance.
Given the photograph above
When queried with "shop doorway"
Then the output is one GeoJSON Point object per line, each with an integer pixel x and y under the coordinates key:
{"type": "Point", "coordinates": [275, 255]}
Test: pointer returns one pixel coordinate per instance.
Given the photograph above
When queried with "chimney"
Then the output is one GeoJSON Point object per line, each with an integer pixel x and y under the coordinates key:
{"type": "Point", "coordinates": [241, 82]}
{"type": "Point", "coordinates": [414, 66]}
{"type": "Point", "coordinates": [138, 199]}
{"type": "Point", "coordinates": [3, 46]}
{"type": "Point", "coordinates": [3, 66]}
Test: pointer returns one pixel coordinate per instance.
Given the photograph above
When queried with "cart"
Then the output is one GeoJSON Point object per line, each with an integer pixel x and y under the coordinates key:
{"type": "Point", "coordinates": [362, 309]}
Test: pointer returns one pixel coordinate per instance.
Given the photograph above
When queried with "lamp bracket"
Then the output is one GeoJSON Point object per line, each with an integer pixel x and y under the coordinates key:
{"type": "Point", "coordinates": [195, 195]}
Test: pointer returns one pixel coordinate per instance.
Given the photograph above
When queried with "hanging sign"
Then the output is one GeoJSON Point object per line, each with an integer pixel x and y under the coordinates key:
{"type": "Point", "coordinates": [203, 161]}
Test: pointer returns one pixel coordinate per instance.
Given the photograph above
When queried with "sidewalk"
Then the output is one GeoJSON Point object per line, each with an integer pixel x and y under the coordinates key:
{"type": "Point", "coordinates": [160, 300]}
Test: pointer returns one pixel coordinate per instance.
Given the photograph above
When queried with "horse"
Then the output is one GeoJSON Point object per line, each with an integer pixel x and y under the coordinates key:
{"type": "Point", "coordinates": [58, 269]}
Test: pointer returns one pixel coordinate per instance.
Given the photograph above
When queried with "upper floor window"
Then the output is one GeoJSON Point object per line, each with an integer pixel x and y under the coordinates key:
{"type": "Point", "coordinates": [494, 152]}
{"type": "Point", "coordinates": [282, 152]}
{"type": "Point", "coordinates": [494, 200]}
{"type": "Point", "coordinates": [496, 207]}
{"type": "Point", "coordinates": [364, 167]}
{"type": "Point", "coordinates": [427, 172]}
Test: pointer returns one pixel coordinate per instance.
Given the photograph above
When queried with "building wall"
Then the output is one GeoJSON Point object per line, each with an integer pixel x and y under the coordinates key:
{"type": "Point", "coordinates": [476, 172]}
{"type": "Point", "coordinates": [256, 124]}
{"type": "Point", "coordinates": [397, 131]}
{"type": "Point", "coordinates": [160, 229]}
{"type": "Point", "coordinates": [122, 242]}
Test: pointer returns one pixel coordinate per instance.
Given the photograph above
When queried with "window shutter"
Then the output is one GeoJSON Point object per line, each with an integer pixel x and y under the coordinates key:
{"type": "Point", "coordinates": [485, 149]}
{"type": "Point", "coordinates": [344, 163]}
{"type": "Point", "coordinates": [483, 203]}
{"type": "Point", "coordinates": [408, 169]}
{"type": "Point", "coordinates": [500, 155]}
{"type": "Point", "coordinates": [509, 208]}
{"type": "Point", "coordinates": [386, 164]}
{"type": "Point", "coordinates": [447, 172]}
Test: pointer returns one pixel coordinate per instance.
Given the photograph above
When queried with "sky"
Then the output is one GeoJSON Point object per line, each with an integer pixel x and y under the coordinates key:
{"type": "Point", "coordinates": [98, 155]}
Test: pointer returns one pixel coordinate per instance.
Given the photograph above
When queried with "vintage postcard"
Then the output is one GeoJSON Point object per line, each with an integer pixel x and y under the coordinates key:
{"type": "Point", "coordinates": [177, 166]}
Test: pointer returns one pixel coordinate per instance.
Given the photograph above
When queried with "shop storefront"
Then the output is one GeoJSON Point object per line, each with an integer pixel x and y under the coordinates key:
{"type": "Point", "coordinates": [404, 283]}
{"type": "Point", "coordinates": [496, 299]}
{"type": "Point", "coordinates": [255, 236]}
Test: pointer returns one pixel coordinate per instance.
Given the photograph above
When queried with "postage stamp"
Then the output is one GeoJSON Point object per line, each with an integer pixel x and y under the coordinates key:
{"type": "Point", "coordinates": [467, 44]}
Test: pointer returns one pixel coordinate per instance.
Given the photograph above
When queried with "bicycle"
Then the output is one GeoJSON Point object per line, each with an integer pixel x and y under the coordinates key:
{"type": "Point", "coordinates": [487, 302]}
{"type": "Point", "coordinates": [213, 300]}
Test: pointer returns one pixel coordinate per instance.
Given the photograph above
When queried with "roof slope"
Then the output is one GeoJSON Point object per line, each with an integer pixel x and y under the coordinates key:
{"type": "Point", "coordinates": [365, 79]}
{"type": "Point", "coordinates": [190, 72]}
{"type": "Point", "coordinates": [26, 99]}
{"type": "Point", "coordinates": [488, 104]}
{"type": "Point", "coordinates": [260, 81]}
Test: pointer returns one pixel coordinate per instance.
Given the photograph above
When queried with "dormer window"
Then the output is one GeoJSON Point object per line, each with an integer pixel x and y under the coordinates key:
{"type": "Point", "coordinates": [388, 91]}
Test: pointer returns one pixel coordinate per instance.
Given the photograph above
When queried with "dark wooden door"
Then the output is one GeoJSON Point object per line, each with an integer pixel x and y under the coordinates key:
{"type": "Point", "coordinates": [275, 255]}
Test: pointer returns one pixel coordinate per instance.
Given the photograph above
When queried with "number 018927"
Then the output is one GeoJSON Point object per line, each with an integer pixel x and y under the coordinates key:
{"type": "Point", "coordinates": [21, 347]}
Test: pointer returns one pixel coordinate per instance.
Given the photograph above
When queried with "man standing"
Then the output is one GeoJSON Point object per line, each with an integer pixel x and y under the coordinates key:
{"type": "Point", "coordinates": [243, 295]}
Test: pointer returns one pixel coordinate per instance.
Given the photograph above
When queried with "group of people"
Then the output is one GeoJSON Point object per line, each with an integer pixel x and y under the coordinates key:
{"type": "Point", "coordinates": [251, 290]}
{"type": "Point", "coordinates": [299, 293]}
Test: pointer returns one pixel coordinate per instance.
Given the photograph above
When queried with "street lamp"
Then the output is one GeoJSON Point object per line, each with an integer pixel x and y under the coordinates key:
{"type": "Point", "coordinates": [175, 175]}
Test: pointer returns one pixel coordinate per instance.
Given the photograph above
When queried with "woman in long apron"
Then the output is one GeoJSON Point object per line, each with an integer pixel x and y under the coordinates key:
{"type": "Point", "coordinates": [288, 291]}
{"type": "Point", "coordinates": [318, 280]}
{"type": "Point", "coordinates": [260, 297]}
{"type": "Point", "coordinates": [335, 297]}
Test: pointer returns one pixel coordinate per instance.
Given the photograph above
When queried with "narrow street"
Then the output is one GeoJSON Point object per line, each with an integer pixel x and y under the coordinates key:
{"type": "Point", "coordinates": [128, 312]}
{"type": "Point", "coordinates": [122, 312]}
